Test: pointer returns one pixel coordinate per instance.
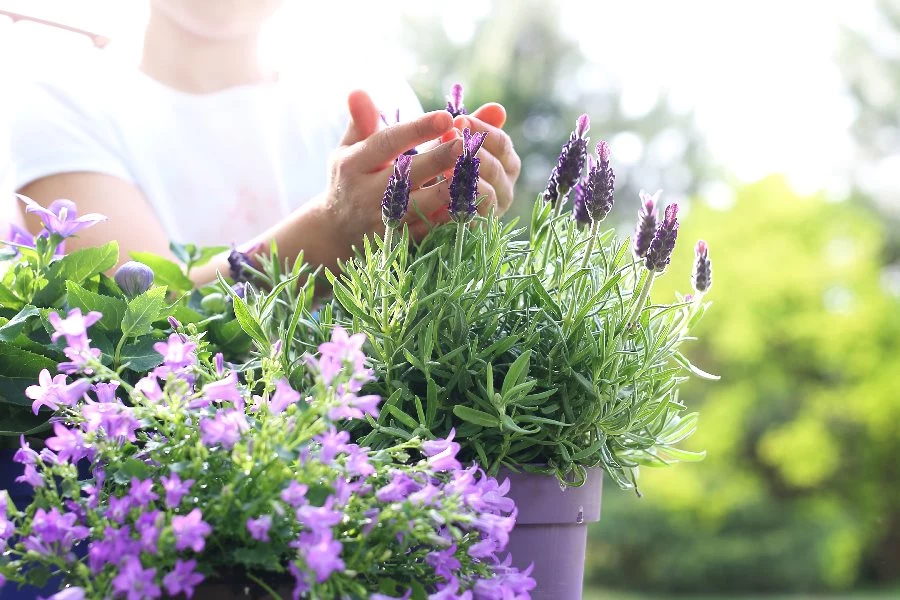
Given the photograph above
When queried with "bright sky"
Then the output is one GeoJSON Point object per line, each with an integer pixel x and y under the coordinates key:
{"type": "Point", "coordinates": [759, 74]}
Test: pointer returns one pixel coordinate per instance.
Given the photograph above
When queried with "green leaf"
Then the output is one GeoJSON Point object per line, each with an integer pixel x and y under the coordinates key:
{"type": "Point", "coordinates": [12, 328]}
{"type": "Point", "coordinates": [165, 272]}
{"type": "Point", "coordinates": [476, 417]}
{"type": "Point", "coordinates": [18, 362]}
{"type": "Point", "coordinates": [21, 421]}
{"type": "Point", "coordinates": [12, 390]}
{"type": "Point", "coordinates": [401, 416]}
{"type": "Point", "coordinates": [129, 469]}
{"type": "Point", "coordinates": [140, 355]}
{"type": "Point", "coordinates": [684, 362]}
{"type": "Point", "coordinates": [142, 311]}
{"type": "Point", "coordinates": [516, 371]}
{"type": "Point", "coordinates": [231, 336]}
{"type": "Point", "coordinates": [113, 309]}
{"type": "Point", "coordinates": [77, 266]}
{"type": "Point", "coordinates": [248, 322]}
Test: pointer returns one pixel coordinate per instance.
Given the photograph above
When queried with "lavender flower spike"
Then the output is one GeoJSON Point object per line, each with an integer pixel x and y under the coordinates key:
{"type": "Point", "coordinates": [594, 201]}
{"type": "Point", "coordinates": [646, 226]}
{"type": "Point", "coordinates": [464, 186]}
{"type": "Point", "coordinates": [570, 164]}
{"type": "Point", "coordinates": [455, 104]}
{"type": "Point", "coordinates": [663, 243]}
{"type": "Point", "coordinates": [702, 277]}
{"type": "Point", "coordinates": [396, 195]}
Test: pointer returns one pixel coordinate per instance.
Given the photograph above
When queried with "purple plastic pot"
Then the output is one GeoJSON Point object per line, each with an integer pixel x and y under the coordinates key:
{"type": "Point", "coordinates": [551, 530]}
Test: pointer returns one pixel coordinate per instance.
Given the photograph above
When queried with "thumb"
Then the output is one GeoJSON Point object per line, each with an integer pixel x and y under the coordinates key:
{"type": "Point", "coordinates": [492, 114]}
{"type": "Point", "coordinates": [363, 118]}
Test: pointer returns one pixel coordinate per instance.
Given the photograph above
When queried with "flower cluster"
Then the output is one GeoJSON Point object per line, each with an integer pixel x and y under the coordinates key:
{"type": "Point", "coordinates": [194, 461]}
{"type": "Point", "coordinates": [464, 185]}
{"type": "Point", "coordinates": [570, 164]}
{"type": "Point", "coordinates": [663, 243]}
{"type": "Point", "coordinates": [594, 196]}
{"type": "Point", "coordinates": [396, 196]}
{"type": "Point", "coordinates": [702, 276]}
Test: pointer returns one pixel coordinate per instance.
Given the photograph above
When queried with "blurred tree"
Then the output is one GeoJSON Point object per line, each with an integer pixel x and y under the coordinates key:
{"type": "Point", "coordinates": [519, 55]}
{"type": "Point", "coordinates": [870, 62]}
{"type": "Point", "coordinates": [801, 487]}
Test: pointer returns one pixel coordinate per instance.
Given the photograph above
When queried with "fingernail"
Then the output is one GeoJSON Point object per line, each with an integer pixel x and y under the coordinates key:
{"type": "Point", "coordinates": [462, 122]}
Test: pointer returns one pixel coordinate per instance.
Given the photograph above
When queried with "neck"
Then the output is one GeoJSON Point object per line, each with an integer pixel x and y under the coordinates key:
{"type": "Point", "coordinates": [186, 62]}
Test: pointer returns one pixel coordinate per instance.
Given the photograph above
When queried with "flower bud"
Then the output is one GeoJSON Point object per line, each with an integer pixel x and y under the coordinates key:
{"type": "Point", "coordinates": [702, 277]}
{"type": "Point", "coordinates": [395, 202]}
{"type": "Point", "coordinates": [134, 278]}
{"type": "Point", "coordinates": [570, 163]}
{"type": "Point", "coordinates": [663, 243]}
{"type": "Point", "coordinates": [646, 226]}
{"type": "Point", "coordinates": [455, 104]}
{"type": "Point", "coordinates": [464, 185]}
{"type": "Point", "coordinates": [214, 303]}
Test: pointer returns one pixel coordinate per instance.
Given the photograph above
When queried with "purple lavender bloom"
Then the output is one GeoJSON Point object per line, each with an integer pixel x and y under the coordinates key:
{"type": "Point", "coordinates": [183, 578]}
{"type": "Point", "coordinates": [450, 591]}
{"type": "Point", "coordinates": [61, 218]}
{"type": "Point", "coordinates": [283, 397]}
{"type": "Point", "coordinates": [237, 263]}
{"type": "Point", "coordinates": [358, 461]}
{"type": "Point", "coordinates": [17, 235]}
{"type": "Point", "coordinates": [116, 420]}
{"type": "Point", "coordinates": [259, 528]}
{"type": "Point", "coordinates": [455, 104]}
{"type": "Point", "coordinates": [702, 276]}
{"type": "Point", "coordinates": [295, 494]}
{"type": "Point", "coordinates": [224, 428]}
{"type": "Point", "coordinates": [660, 251]}
{"type": "Point", "coordinates": [134, 278]}
{"type": "Point", "coordinates": [464, 185]}
{"type": "Point", "coordinates": [646, 226]}
{"type": "Point", "coordinates": [579, 210]}
{"type": "Point", "coordinates": [53, 392]}
{"type": "Point", "coordinates": [25, 455]}
{"type": "Point", "coordinates": [596, 198]}
{"type": "Point", "coordinates": [570, 163]}
{"type": "Point", "coordinates": [134, 582]}
{"type": "Point", "coordinates": [141, 492]}
{"type": "Point", "coordinates": [67, 443]}
{"type": "Point", "coordinates": [395, 202]}
{"type": "Point", "coordinates": [106, 391]}
{"type": "Point", "coordinates": [190, 531]}
{"type": "Point", "coordinates": [322, 554]}
{"type": "Point", "coordinates": [507, 582]}
{"type": "Point", "coordinates": [175, 489]}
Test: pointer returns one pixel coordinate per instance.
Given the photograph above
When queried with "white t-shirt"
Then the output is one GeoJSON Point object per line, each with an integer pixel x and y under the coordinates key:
{"type": "Point", "coordinates": [216, 168]}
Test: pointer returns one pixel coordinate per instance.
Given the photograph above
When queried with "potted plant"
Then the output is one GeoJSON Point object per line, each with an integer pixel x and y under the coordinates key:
{"type": "Point", "coordinates": [210, 484]}
{"type": "Point", "coordinates": [545, 356]}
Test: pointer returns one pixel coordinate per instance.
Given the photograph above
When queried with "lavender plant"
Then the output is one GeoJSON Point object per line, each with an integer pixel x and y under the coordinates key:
{"type": "Point", "coordinates": [542, 355]}
{"type": "Point", "coordinates": [200, 476]}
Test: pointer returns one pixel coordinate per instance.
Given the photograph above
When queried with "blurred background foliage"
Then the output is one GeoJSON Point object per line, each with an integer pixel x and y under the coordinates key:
{"type": "Point", "coordinates": [801, 488]}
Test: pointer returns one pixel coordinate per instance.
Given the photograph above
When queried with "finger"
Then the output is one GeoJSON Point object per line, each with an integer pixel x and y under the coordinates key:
{"type": "Point", "coordinates": [487, 197]}
{"type": "Point", "coordinates": [491, 170]}
{"type": "Point", "coordinates": [428, 165]}
{"type": "Point", "coordinates": [491, 113]}
{"type": "Point", "coordinates": [382, 147]}
{"type": "Point", "coordinates": [363, 118]}
{"type": "Point", "coordinates": [497, 142]}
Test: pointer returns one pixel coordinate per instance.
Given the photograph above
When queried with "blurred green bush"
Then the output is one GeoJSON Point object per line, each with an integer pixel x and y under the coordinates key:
{"type": "Point", "coordinates": [801, 487]}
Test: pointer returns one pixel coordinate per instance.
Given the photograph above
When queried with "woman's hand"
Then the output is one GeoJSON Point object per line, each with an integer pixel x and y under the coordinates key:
{"type": "Point", "coordinates": [500, 165]}
{"type": "Point", "coordinates": [362, 165]}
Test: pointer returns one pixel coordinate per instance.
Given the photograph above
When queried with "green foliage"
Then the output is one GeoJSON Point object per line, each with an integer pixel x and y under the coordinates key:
{"type": "Point", "coordinates": [34, 284]}
{"type": "Point", "coordinates": [524, 347]}
{"type": "Point", "coordinates": [801, 489]}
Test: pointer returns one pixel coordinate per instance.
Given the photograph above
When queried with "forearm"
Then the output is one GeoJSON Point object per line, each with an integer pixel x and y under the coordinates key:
{"type": "Point", "coordinates": [310, 230]}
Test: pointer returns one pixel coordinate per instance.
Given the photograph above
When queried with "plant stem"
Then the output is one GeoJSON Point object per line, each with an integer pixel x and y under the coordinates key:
{"type": "Point", "coordinates": [458, 250]}
{"type": "Point", "coordinates": [595, 227]}
{"type": "Point", "coordinates": [263, 585]}
{"type": "Point", "coordinates": [118, 354]}
{"type": "Point", "coordinates": [386, 250]}
{"type": "Point", "coordinates": [642, 298]}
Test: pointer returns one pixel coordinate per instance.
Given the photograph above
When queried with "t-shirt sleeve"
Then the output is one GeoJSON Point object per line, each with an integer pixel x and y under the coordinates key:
{"type": "Point", "coordinates": [57, 127]}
